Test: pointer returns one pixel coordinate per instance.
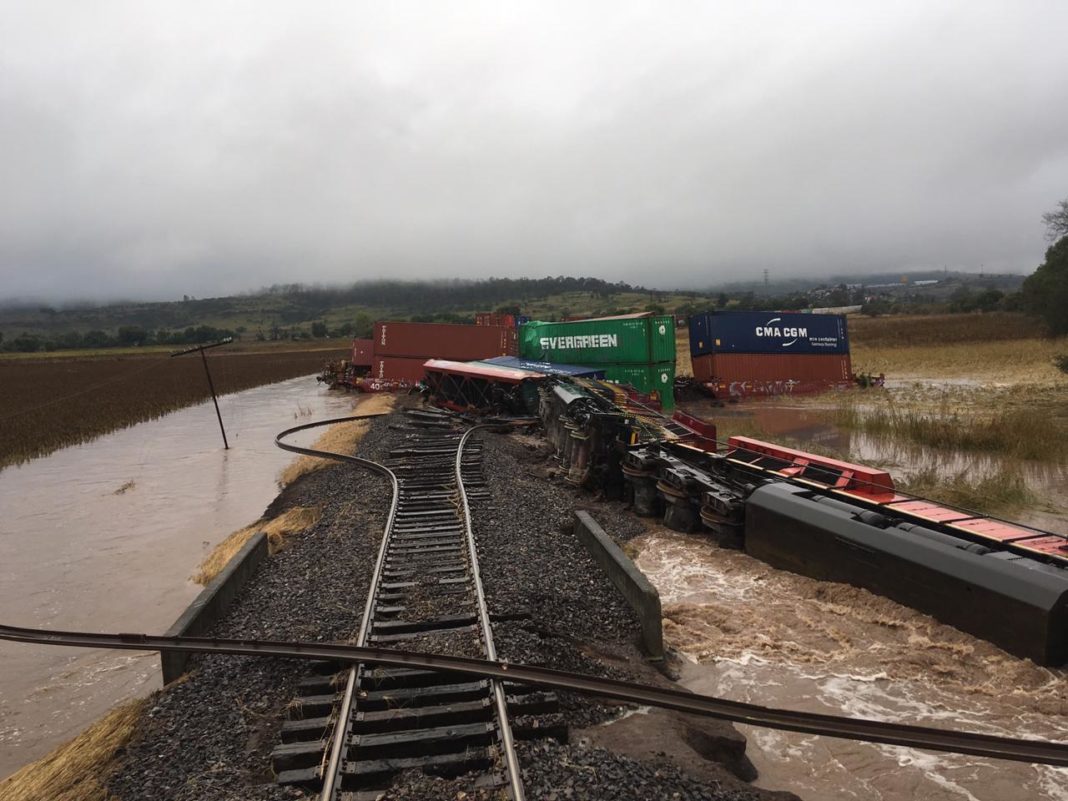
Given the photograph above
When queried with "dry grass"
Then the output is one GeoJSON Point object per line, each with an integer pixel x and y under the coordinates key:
{"type": "Point", "coordinates": [1007, 491]}
{"type": "Point", "coordinates": [683, 363]}
{"type": "Point", "coordinates": [917, 330]}
{"type": "Point", "coordinates": [1000, 361]}
{"type": "Point", "coordinates": [278, 530]}
{"type": "Point", "coordinates": [1019, 434]}
{"type": "Point", "coordinates": [992, 348]}
{"type": "Point", "coordinates": [1030, 426]}
{"type": "Point", "coordinates": [77, 770]}
{"type": "Point", "coordinates": [340, 438]}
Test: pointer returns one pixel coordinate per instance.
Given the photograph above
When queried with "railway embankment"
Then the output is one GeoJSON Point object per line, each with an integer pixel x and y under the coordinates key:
{"type": "Point", "coordinates": [212, 732]}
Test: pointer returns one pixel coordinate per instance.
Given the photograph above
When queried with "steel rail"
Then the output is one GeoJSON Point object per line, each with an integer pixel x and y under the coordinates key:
{"type": "Point", "coordinates": [984, 745]}
{"type": "Point", "coordinates": [515, 780]}
{"type": "Point", "coordinates": [332, 768]}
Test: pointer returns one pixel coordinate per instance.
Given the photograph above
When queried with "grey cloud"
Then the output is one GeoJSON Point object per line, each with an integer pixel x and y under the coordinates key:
{"type": "Point", "coordinates": [152, 150]}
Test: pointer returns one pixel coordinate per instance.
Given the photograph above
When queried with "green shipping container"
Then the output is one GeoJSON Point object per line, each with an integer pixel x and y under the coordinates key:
{"type": "Point", "coordinates": [647, 379]}
{"type": "Point", "coordinates": [607, 340]}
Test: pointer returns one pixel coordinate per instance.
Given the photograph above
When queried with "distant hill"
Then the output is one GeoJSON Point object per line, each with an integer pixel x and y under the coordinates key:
{"type": "Point", "coordinates": [294, 306]}
{"type": "Point", "coordinates": [295, 311]}
{"type": "Point", "coordinates": [1003, 281]}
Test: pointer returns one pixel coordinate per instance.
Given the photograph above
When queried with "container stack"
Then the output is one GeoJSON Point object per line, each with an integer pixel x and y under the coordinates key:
{"type": "Point", "coordinates": [634, 349]}
{"type": "Point", "coordinates": [738, 354]}
{"type": "Point", "coordinates": [399, 349]}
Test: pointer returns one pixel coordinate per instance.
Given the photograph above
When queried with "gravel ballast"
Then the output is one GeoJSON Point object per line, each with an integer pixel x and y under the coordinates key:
{"type": "Point", "coordinates": [211, 734]}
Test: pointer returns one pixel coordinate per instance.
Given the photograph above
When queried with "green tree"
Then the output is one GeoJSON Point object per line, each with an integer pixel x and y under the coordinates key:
{"type": "Point", "coordinates": [26, 343]}
{"type": "Point", "coordinates": [364, 326]}
{"type": "Point", "coordinates": [131, 335]}
{"type": "Point", "coordinates": [318, 329]}
{"type": "Point", "coordinates": [97, 339]}
{"type": "Point", "coordinates": [989, 299]}
{"type": "Point", "coordinates": [1045, 292]}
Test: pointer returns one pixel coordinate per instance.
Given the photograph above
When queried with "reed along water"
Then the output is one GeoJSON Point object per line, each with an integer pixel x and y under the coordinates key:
{"type": "Point", "coordinates": [104, 536]}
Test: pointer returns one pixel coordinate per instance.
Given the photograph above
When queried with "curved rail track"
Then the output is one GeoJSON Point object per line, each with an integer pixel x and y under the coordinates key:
{"type": "Point", "coordinates": [425, 589]}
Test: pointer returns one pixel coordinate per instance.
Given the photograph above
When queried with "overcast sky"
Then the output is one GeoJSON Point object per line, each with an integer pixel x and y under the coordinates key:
{"type": "Point", "coordinates": [153, 149]}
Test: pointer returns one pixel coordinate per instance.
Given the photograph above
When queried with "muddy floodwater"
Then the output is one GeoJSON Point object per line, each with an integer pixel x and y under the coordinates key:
{"type": "Point", "coordinates": [104, 536]}
{"type": "Point", "coordinates": [751, 633]}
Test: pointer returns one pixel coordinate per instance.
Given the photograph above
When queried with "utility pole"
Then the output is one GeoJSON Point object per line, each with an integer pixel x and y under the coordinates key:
{"type": "Point", "coordinates": [207, 372]}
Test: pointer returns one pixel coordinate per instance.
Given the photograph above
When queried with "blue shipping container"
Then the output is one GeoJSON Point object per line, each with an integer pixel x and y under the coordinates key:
{"type": "Point", "coordinates": [767, 332]}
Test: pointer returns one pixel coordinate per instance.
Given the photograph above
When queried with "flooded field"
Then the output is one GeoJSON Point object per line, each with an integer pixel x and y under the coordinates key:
{"type": "Point", "coordinates": [971, 466]}
{"type": "Point", "coordinates": [756, 634]}
{"type": "Point", "coordinates": [104, 536]}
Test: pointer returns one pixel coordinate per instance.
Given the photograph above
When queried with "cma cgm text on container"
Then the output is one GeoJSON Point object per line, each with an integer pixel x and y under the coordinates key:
{"type": "Point", "coordinates": [767, 332]}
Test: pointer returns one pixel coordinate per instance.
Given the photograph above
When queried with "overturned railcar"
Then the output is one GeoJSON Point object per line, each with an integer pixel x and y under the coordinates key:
{"type": "Point", "coordinates": [1011, 599]}
{"type": "Point", "coordinates": [836, 521]}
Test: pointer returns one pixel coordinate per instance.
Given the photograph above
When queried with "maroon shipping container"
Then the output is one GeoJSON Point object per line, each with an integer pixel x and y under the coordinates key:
{"type": "Point", "coordinates": [362, 352]}
{"type": "Point", "coordinates": [461, 343]}
{"type": "Point", "coordinates": [398, 369]}
{"type": "Point", "coordinates": [742, 374]}
{"type": "Point", "coordinates": [493, 318]}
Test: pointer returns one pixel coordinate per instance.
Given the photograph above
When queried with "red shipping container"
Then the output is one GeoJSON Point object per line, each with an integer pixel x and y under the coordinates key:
{"type": "Point", "coordinates": [742, 374]}
{"type": "Point", "coordinates": [398, 369]}
{"type": "Point", "coordinates": [362, 352]}
{"type": "Point", "coordinates": [493, 318]}
{"type": "Point", "coordinates": [462, 343]}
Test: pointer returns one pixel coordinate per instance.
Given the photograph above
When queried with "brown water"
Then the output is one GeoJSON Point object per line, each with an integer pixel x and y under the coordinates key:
{"type": "Point", "coordinates": [753, 633]}
{"type": "Point", "coordinates": [756, 634]}
{"type": "Point", "coordinates": [104, 536]}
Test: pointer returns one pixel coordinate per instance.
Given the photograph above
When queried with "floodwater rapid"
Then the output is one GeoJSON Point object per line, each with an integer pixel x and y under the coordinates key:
{"type": "Point", "coordinates": [104, 536]}
{"type": "Point", "coordinates": [749, 632]}
{"type": "Point", "coordinates": [752, 633]}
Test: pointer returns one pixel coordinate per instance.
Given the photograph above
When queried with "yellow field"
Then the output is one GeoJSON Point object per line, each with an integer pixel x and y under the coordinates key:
{"type": "Point", "coordinates": [1001, 362]}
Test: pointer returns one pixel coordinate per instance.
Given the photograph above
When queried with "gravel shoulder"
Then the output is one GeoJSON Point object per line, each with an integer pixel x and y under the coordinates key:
{"type": "Point", "coordinates": [210, 734]}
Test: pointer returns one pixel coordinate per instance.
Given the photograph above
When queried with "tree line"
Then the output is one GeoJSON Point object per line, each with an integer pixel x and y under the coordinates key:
{"type": "Point", "coordinates": [125, 336]}
{"type": "Point", "coordinates": [1044, 294]}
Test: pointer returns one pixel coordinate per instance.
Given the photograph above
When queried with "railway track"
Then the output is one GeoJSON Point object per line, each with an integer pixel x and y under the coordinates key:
{"type": "Point", "coordinates": [351, 731]}
{"type": "Point", "coordinates": [407, 684]}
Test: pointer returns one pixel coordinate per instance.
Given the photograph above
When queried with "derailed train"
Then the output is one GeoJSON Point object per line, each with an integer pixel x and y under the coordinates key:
{"type": "Point", "coordinates": [819, 517]}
